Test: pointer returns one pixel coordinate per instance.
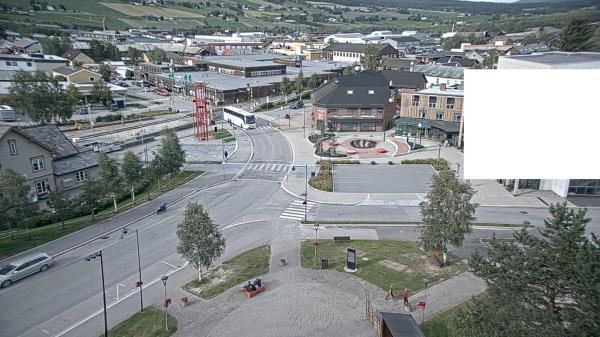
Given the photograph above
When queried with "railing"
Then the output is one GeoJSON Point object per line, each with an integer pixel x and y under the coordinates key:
{"type": "Point", "coordinates": [373, 315]}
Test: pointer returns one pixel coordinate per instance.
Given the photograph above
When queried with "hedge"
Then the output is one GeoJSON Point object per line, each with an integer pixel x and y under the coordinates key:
{"type": "Point", "coordinates": [438, 165]}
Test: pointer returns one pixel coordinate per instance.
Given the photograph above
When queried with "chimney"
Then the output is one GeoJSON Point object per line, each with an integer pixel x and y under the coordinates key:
{"type": "Point", "coordinates": [442, 86]}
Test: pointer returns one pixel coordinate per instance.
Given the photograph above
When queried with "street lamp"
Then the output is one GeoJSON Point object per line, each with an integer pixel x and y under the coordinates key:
{"type": "Point", "coordinates": [167, 302]}
{"type": "Point", "coordinates": [139, 282]}
{"type": "Point", "coordinates": [420, 132]}
{"type": "Point", "coordinates": [93, 257]}
{"type": "Point", "coordinates": [316, 243]}
{"type": "Point", "coordinates": [439, 152]}
{"type": "Point", "coordinates": [425, 282]}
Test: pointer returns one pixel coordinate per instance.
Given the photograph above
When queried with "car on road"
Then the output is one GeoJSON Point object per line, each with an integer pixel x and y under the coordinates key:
{"type": "Point", "coordinates": [19, 269]}
{"type": "Point", "coordinates": [297, 105]}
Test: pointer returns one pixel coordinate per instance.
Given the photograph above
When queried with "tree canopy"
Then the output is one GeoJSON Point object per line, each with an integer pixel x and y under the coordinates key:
{"type": "Point", "coordinates": [55, 45]}
{"type": "Point", "coordinates": [40, 97]}
{"type": "Point", "coordinates": [170, 157]}
{"type": "Point", "coordinates": [372, 58]}
{"type": "Point", "coordinates": [104, 51]}
{"type": "Point", "coordinates": [544, 285]}
{"type": "Point", "coordinates": [576, 36]}
{"type": "Point", "coordinates": [101, 93]}
{"type": "Point", "coordinates": [200, 241]}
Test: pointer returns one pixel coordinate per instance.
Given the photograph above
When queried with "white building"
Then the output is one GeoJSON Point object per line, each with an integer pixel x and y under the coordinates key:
{"type": "Point", "coordinates": [345, 38]}
{"type": "Point", "coordinates": [438, 74]}
{"type": "Point", "coordinates": [10, 64]}
{"type": "Point", "coordinates": [554, 60]}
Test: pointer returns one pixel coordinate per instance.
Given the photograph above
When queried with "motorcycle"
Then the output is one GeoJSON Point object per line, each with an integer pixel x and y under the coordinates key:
{"type": "Point", "coordinates": [161, 209]}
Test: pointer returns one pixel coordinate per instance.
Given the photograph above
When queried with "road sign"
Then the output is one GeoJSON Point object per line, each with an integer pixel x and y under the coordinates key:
{"type": "Point", "coordinates": [351, 259]}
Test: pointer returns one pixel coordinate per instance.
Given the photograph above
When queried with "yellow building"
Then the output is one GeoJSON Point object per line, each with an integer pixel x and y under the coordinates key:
{"type": "Point", "coordinates": [77, 75]}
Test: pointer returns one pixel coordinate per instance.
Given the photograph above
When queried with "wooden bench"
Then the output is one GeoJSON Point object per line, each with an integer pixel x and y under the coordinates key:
{"type": "Point", "coordinates": [338, 239]}
{"type": "Point", "coordinates": [436, 260]}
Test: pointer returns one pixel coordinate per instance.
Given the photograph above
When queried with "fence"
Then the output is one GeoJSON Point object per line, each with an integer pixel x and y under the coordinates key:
{"type": "Point", "coordinates": [373, 315]}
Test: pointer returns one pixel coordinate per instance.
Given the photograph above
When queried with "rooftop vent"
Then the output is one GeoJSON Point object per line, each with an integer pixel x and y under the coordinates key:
{"type": "Point", "coordinates": [349, 92]}
{"type": "Point", "coordinates": [371, 92]}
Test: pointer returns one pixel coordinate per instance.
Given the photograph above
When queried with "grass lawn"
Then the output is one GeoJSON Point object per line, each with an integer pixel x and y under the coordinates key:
{"type": "Point", "coordinates": [149, 323]}
{"type": "Point", "coordinates": [441, 324]}
{"type": "Point", "coordinates": [224, 134]}
{"type": "Point", "coordinates": [242, 268]}
{"type": "Point", "coordinates": [48, 233]}
{"type": "Point", "coordinates": [383, 262]}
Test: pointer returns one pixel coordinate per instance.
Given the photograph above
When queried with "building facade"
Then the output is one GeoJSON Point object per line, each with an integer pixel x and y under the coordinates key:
{"type": "Point", "coordinates": [354, 52]}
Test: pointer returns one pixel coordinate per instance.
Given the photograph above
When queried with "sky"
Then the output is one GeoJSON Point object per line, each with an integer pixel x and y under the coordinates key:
{"type": "Point", "coordinates": [498, 1]}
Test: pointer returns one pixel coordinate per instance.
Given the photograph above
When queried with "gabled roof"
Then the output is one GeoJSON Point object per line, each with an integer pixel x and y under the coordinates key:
{"type": "Point", "coordinates": [53, 138]}
{"type": "Point", "coordinates": [68, 71]}
{"type": "Point", "coordinates": [435, 70]}
{"type": "Point", "coordinates": [453, 61]}
{"type": "Point", "coordinates": [355, 47]}
{"type": "Point", "coordinates": [5, 129]}
{"type": "Point", "coordinates": [77, 162]}
{"type": "Point", "coordinates": [72, 53]}
{"type": "Point", "coordinates": [403, 39]}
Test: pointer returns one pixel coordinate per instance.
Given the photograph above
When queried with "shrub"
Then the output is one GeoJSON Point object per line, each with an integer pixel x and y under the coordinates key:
{"type": "Point", "coordinates": [42, 219]}
{"type": "Point", "coordinates": [109, 118]}
{"type": "Point", "coordinates": [323, 180]}
{"type": "Point", "coordinates": [340, 162]}
{"type": "Point", "coordinates": [438, 165]}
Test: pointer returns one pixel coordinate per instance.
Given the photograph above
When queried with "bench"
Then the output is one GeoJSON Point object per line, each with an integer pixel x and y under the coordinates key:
{"type": "Point", "coordinates": [339, 239]}
{"type": "Point", "coordinates": [436, 260]}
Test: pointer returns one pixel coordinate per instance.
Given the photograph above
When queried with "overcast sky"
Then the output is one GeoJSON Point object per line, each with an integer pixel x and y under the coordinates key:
{"type": "Point", "coordinates": [493, 0]}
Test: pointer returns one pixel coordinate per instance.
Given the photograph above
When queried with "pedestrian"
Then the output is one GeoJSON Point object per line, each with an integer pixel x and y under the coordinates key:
{"type": "Point", "coordinates": [226, 154]}
{"type": "Point", "coordinates": [405, 296]}
{"type": "Point", "coordinates": [390, 293]}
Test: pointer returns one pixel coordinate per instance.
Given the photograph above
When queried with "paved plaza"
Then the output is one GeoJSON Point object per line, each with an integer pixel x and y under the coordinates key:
{"type": "Point", "coordinates": [382, 178]}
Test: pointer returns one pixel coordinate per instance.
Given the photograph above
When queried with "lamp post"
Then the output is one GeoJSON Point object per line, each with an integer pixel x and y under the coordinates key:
{"type": "Point", "coordinates": [420, 132]}
{"type": "Point", "coordinates": [139, 283]}
{"type": "Point", "coordinates": [305, 190]}
{"type": "Point", "coordinates": [304, 125]}
{"type": "Point", "coordinates": [425, 282]}
{"type": "Point", "coordinates": [316, 227]}
{"type": "Point", "coordinates": [166, 304]}
{"type": "Point", "coordinates": [93, 257]}
{"type": "Point", "coordinates": [439, 152]}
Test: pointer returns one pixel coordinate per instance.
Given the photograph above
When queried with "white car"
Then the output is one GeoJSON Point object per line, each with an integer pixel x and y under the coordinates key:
{"type": "Point", "coordinates": [19, 269]}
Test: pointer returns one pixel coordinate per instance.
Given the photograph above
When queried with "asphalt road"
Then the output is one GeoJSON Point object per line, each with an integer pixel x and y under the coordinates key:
{"type": "Point", "coordinates": [50, 303]}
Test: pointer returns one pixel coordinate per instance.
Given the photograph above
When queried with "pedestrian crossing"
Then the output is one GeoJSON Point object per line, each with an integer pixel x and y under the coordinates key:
{"type": "Point", "coordinates": [264, 127]}
{"type": "Point", "coordinates": [296, 210]}
{"type": "Point", "coordinates": [265, 167]}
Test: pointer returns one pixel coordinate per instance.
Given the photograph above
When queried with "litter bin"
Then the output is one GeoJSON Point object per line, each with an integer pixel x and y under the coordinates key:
{"type": "Point", "coordinates": [324, 263]}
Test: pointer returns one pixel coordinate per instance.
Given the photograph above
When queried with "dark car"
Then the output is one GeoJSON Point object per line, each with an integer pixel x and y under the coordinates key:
{"type": "Point", "coordinates": [297, 105]}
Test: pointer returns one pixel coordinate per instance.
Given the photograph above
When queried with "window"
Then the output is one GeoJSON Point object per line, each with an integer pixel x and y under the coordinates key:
{"type": "Point", "coordinates": [422, 114]}
{"type": "Point", "coordinates": [367, 126]}
{"type": "Point", "coordinates": [42, 187]}
{"type": "Point", "coordinates": [457, 117]}
{"type": "Point", "coordinates": [37, 164]}
{"type": "Point", "coordinates": [439, 115]}
{"type": "Point", "coordinates": [432, 101]}
{"type": "Point", "coordinates": [450, 103]}
{"type": "Point", "coordinates": [11, 63]}
{"type": "Point", "coordinates": [29, 64]}
{"type": "Point", "coordinates": [366, 112]}
{"type": "Point", "coordinates": [353, 111]}
{"type": "Point", "coordinates": [12, 145]}
{"type": "Point", "coordinates": [415, 100]}
{"type": "Point", "coordinates": [349, 92]}
{"type": "Point", "coordinates": [332, 111]}
{"type": "Point", "coordinates": [92, 79]}
{"type": "Point", "coordinates": [81, 176]}
{"type": "Point", "coordinates": [371, 92]}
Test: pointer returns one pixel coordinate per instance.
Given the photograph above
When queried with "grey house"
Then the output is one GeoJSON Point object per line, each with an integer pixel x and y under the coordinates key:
{"type": "Point", "coordinates": [46, 159]}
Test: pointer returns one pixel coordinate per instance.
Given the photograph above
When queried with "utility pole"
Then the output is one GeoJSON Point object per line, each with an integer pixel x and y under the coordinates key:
{"type": "Point", "coordinates": [140, 283]}
{"type": "Point", "coordinates": [304, 125]}
{"type": "Point", "coordinates": [93, 257]}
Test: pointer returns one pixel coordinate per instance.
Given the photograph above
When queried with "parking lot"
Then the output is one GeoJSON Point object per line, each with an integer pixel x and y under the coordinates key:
{"type": "Point", "coordinates": [382, 178]}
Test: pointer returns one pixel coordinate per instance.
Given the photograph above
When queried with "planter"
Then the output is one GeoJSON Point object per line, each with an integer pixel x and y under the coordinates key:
{"type": "Point", "coordinates": [184, 301]}
{"type": "Point", "coordinates": [350, 152]}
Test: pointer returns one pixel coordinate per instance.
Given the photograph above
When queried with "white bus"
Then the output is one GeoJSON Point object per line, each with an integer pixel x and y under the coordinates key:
{"type": "Point", "coordinates": [239, 117]}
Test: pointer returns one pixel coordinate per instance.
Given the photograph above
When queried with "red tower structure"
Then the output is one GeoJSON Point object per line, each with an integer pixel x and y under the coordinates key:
{"type": "Point", "coordinates": [202, 113]}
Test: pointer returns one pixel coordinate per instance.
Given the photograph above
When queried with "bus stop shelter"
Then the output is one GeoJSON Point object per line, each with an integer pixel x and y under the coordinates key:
{"type": "Point", "coordinates": [399, 325]}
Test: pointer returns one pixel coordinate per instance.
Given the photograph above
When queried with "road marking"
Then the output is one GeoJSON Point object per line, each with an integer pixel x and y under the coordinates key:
{"type": "Point", "coordinates": [78, 324]}
{"type": "Point", "coordinates": [45, 331]}
{"type": "Point", "coordinates": [292, 218]}
{"type": "Point", "coordinates": [241, 223]}
{"type": "Point", "coordinates": [168, 264]}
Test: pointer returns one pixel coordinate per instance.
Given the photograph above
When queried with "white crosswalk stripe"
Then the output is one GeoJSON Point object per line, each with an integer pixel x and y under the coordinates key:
{"type": "Point", "coordinates": [281, 168]}
{"type": "Point", "coordinates": [296, 210]}
{"type": "Point", "coordinates": [264, 127]}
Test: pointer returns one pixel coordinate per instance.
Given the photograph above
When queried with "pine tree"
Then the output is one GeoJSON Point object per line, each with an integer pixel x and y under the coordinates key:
{"type": "Point", "coordinates": [576, 36]}
{"type": "Point", "coordinates": [448, 213]}
{"type": "Point", "coordinates": [544, 286]}
{"type": "Point", "coordinates": [200, 241]}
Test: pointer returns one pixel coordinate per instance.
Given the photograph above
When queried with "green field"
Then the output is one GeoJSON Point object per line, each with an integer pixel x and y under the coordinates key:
{"type": "Point", "coordinates": [149, 323]}
{"type": "Point", "coordinates": [132, 10]}
{"type": "Point", "coordinates": [382, 262]}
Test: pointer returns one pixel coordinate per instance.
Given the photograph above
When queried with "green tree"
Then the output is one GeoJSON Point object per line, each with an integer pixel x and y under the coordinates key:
{"type": "Point", "coordinates": [286, 87]}
{"type": "Point", "coordinates": [349, 70]}
{"type": "Point", "coordinates": [112, 182]}
{"type": "Point", "coordinates": [104, 51]}
{"type": "Point", "coordinates": [131, 168]}
{"type": "Point", "coordinates": [55, 45]}
{"type": "Point", "coordinates": [576, 36]}
{"type": "Point", "coordinates": [314, 81]}
{"type": "Point", "coordinates": [133, 55]}
{"type": "Point", "coordinates": [18, 204]}
{"type": "Point", "coordinates": [91, 196]}
{"type": "Point", "coordinates": [170, 157]}
{"type": "Point", "coordinates": [453, 42]}
{"type": "Point", "coordinates": [159, 55]}
{"type": "Point", "coordinates": [105, 72]}
{"type": "Point", "coordinates": [299, 83]}
{"type": "Point", "coordinates": [372, 58]}
{"type": "Point", "coordinates": [73, 93]}
{"type": "Point", "coordinates": [60, 204]}
{"type": "Point", "coordinates": [39, 97]}
{"type": "Point", "coordinates": [200, 241]}
{"type": "Point", "coordinates": [129, 73]}
{"type": "Point", "coordinates": [447, 213]}
{"type": "Point", "coordinates": [101, 93]}
{"type": "Point", "coordinates": [544, 285]}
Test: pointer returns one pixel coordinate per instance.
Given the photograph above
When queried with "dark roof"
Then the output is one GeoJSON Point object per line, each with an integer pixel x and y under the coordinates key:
{"type": "Point", "coordinates": [436, 70]}
{"type": "Point", "coordinates": [51, 136]}
{"type": "Point", "coordinates": [398, 63]}
{"type": "Point", "coordinates": [369, 88]}
{"type": "Point", "coordinates": [405, 39]}
{"type": "Point", "coordinates": [401, 325]}
{"type": "Point", "coordinates": [449, 127]}
{"type": "Point", "coordinates": [452, 61]}
{"type": "Point", "coordinates": [80, 161]}
{"type": "Point", "coordinates": [4, 129]}
{"type": "Point", "coordinates": [356, 47]}
{"type": "Point", "coordinates": [72, 53]}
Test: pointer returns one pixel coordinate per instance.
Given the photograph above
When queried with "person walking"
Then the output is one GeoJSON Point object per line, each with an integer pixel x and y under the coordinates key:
{"type": "Point", "coordinates": [406, 302]}
{"type": "Point", "coordinates": [390, 293]}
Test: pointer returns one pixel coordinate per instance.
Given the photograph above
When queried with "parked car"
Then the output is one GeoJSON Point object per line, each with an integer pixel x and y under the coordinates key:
{"type": "Point", "coordinates": [297, 105]}
{"type": "Point", "coordinates": [123, 84]}
{"type": "Point", "coordinates": [19, 269]}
